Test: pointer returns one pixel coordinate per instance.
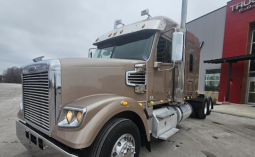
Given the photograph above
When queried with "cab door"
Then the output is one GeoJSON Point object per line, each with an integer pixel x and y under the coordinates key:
{"type": "Point", "coordinates": [163, 76]}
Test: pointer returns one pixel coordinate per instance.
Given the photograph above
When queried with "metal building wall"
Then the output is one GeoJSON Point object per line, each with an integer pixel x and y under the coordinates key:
{"type": "Point", "coordinates": [209, 29]}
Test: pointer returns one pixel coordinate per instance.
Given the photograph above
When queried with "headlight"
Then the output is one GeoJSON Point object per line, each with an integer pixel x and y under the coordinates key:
{"type": "Point", "coordinates": [71, 117]}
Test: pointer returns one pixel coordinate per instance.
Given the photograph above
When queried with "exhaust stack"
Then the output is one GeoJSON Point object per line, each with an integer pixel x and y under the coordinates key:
{"type": "Point", "coordinates": [184, 13]}
{"type": "Point", "coordinates": [180, 66]}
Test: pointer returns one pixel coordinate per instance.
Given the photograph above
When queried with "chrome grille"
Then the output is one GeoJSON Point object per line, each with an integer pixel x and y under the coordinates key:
{"type": "Point", "coordinates": [136, 78]}
{"type": "Point", "coordinates": [36, 99]}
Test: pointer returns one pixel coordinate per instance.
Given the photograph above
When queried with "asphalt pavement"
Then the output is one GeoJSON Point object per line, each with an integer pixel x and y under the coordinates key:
{"type": "Point", "coordinates": [219, 135]}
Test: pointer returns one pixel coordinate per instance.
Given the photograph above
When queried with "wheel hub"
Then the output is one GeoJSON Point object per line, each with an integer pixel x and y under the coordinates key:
{"type": "Point", "coordinates": [124, 146]}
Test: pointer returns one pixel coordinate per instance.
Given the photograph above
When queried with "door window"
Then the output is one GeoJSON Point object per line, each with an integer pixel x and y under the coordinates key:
{"type": "Point", "coordinates": [164, 50]}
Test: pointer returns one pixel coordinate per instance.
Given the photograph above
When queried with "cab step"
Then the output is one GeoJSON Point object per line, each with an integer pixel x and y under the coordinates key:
{"type": "Point", "coordinates": [168, 134]}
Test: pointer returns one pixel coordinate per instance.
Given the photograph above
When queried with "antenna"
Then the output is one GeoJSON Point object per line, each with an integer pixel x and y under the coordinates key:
{"type": "Point", "coordinates": [145, 12]}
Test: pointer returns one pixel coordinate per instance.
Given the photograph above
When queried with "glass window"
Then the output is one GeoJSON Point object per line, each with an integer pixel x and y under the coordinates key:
{"type": "Point", "coordinates": [133, 46]}
{"type": "Point", "coordinates": [212, 80]}
{"type": "Point", "coordinates": [103, 53]}
{"type": "Point", "coordinates": [191, 63]}
{"type": "Point", "coordinates": [164, 50]}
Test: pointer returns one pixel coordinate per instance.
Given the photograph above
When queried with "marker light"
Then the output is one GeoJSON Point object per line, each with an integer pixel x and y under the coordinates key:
{"type": "Point", "coordinates": [191, 97]}
{"type": "Point", "coordinates": [97, 39]}
{"type": "Point", "coordinates": [184, 98]}
{"type": "Point", "coordinates": [161, 101]}
{"type": "Point", "coordinates": [152, 102]}
{"type": "Point", "coordinates": [188, 97]}
{"type": "Point", "coordinates": [69, 115]}
{"type": "Point", "coordinates": [121, 31]}
{"type": "Point", "coordinates": [110, 35]}
{"type": "Point", "coordinates": [140, 104]}
{"type": "Point", "coordinates": [143, 25]}
{"type": "Point", "coordinates": [169, 99]}
{"type": "Point", "coordinates": [124, 103]}
{"type": "Point", "coordinates": [115, 33]}
{"type": "Point", "coordinates": [78, 116]}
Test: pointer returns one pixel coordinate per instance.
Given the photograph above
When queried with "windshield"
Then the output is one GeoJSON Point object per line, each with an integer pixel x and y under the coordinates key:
{"type": "Point", "coordinates": [134, 46]}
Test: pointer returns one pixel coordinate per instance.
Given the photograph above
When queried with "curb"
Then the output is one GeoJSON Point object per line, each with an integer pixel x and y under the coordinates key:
{"type": "Point", "coordinates": [234, 114]}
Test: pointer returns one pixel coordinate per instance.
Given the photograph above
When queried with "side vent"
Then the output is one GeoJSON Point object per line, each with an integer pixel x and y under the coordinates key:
{"type": "Point", "coordinates": [137, 78]}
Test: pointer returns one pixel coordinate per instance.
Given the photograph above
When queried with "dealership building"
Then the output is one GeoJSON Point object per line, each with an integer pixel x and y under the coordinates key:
{"type": "Point", "coordinates": [228, 35]}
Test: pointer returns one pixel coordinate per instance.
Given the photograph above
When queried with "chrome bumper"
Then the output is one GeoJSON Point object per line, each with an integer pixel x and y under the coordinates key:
{"type": "Point", "coordinates": [36, 144]}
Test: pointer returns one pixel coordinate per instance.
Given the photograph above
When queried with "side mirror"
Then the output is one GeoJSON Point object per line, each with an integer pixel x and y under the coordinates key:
{"type": "Point", "coordinates": [157, 64]}
{"type": "Point", "coordinates": [90, 53]}
{"type": "Point", "coordinates": [177, 46]}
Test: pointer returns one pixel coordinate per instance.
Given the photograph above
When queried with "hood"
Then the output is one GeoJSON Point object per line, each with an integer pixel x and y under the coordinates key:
{"type": "Point", "coordinates": [82, 77]}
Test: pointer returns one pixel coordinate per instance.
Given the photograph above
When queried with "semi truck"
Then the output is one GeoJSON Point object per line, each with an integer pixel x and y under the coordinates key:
{"type": "Point", "coordinates": [140, 82]}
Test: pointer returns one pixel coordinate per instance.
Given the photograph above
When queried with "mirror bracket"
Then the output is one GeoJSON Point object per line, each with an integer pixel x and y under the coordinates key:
{"type": "Point", "coordinates": [157, 64]}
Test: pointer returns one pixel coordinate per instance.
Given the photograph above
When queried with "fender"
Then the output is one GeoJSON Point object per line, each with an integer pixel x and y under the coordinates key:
{"type": "Point", "coordinates": [100, 109]}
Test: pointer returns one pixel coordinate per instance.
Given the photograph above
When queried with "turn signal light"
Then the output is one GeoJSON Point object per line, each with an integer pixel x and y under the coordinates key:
{"type": "Point", "coordinates": [124, 103]}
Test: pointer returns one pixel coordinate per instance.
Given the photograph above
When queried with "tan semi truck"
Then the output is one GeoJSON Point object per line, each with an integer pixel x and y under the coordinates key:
{"type": "Point", "coordinates": [140, 83]}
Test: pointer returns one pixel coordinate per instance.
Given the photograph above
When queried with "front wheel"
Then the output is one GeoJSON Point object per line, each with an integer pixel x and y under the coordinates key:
{"type": "Point", "coordinates": [118, 138]}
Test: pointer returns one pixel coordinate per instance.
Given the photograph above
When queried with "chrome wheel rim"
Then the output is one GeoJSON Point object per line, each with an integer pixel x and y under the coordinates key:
{"type": "Point", "coordinates": [124, 146]}
{"type": "Point", "coordinates": [205, 109]}
{"type": "Point", "coordinates": [210, 106]}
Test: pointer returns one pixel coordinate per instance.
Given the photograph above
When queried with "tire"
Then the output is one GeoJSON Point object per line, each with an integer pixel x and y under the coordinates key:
{"type": "Point", "coordinates": [203, 109]}
{"type": "Point", "coordinates": [114, 134]}
{"type": "Point", "coordinates": [193, 114]}
{"type": "Point", "coordinates": [210, 106]}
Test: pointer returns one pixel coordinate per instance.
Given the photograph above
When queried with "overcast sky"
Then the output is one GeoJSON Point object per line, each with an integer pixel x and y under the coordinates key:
{"type": "Point", "coordinates": [67, 28]}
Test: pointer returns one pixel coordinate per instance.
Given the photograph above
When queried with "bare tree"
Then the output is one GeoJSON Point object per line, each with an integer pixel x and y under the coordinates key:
{"type": "Point", "coordinates": [12, 75]}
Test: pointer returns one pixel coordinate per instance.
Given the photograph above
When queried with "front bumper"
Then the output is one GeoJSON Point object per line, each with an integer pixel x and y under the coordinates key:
{"type": "Point", "coordinates": [37, 144]}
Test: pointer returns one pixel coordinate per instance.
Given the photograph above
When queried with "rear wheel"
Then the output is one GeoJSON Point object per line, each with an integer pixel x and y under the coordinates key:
{"type": "Point", "coordinates": [210, 104]}
{"type": "Point", "coordinates": [118, 138]}
{"type": "Point", "coordinates": [203, 109]}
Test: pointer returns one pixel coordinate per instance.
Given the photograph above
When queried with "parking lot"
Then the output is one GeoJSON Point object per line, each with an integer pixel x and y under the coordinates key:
{"type": "Point", "coordinates": [219, 135]}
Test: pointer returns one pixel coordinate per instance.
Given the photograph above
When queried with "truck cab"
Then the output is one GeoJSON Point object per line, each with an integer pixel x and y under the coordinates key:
{"type": "Point", "coordinates": [140, 82]}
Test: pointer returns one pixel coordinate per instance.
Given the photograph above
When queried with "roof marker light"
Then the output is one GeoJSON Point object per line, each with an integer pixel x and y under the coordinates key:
{"type": "Point", "coordinates": [97, 39]}
{"type": "Point", "coordinates": [110, 35]}
{"type": "Point", "coordinates": [121, 31]}
{"type": "Point", "coordinates": [115, 33]}
{"type": "Point", "coordinates": [143, 25]}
